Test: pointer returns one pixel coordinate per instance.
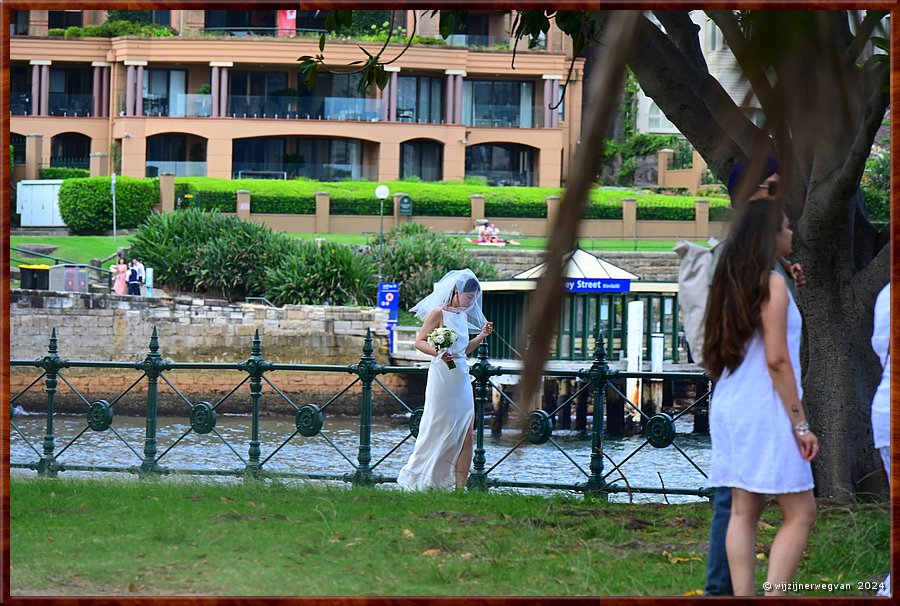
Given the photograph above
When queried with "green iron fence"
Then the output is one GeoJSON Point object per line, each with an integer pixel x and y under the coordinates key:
{"type": "Point", "coordinates": [151, 458]}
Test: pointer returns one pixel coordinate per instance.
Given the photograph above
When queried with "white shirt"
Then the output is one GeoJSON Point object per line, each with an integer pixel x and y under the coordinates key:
{"type": "Point", "coordinates": [881, 343]}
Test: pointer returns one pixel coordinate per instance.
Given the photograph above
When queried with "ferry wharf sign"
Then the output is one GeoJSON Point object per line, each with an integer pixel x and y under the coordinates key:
{"type": "Point", "coordinates": [599, 285]}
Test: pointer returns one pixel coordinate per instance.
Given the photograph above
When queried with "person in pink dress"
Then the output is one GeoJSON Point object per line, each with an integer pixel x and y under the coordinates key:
{"type": "Point", "coordinates": [120, 276]}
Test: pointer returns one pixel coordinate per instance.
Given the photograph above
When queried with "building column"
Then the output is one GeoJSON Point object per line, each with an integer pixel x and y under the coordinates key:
{"type": "Point", "coordinates": [551, 98]}
{"type": "Point", "coordinates": [35, 90]}
{"type": "Point", "coordinates": [392, 114]}
{"type": "Point", "coordinates": [547, 103]}
{"type": "Point", "coordinates": [554, 115]}
{"type": "Point", "coordinates": [458, 93]}
{"type": "Point", "coordinates": [129, 91]}
{"type": "Point", "coordinates": [95, 92]}
{"type": "Point", "coordinates": [223, 87]}
{"type": "Point", "coordinates": [45, 89]}
{"type": "Point", "coordinates": [105, 92]}
{"type": "Point", "coordinates": [449, 104]}
{"type": "Point", "coordinates": [34, 152]}
{"type": "Point", "coordinates": [214, 86]}
{"type": "Point", "coordinates": [139, 91]}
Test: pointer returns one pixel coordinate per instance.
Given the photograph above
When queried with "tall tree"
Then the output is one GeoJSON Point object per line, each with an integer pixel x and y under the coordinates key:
{"type": "Point", "coordinates": [823, 102]}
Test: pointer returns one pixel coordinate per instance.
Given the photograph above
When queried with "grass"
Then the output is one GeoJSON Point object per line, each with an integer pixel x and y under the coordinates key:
{"type": "Point", "coordinates": [81, 249]}
{"type": "Point", "coordinates": [159, 537]}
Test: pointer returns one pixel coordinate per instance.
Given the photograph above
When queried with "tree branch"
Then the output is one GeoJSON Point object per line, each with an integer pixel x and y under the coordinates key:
{"type": "Point", "coordinates": [875, 105]}
{"type": "Point", "coordinates": [685, 35]}
{"type": "Point", "coordinates": [727, 22]}
{"type": "Point", "coordinates": [863, 33]}
{"type": "Point", "coordinates": [716, 127]}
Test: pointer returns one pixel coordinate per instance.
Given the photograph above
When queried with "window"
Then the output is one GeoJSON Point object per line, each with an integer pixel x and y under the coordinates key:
{"type": "Point", "coordinates": [656, 120]}
{"type": "Point", "coordinates": [561, 110]}
{"type": "Point", "coordinates": [18, 23]}
{"type": "Point", "coordinates": [64, 19]}
{"type": "Point", "coordinates": [498, 103]}
{"type": "Point", "coordinates": [242, 23]}
{"type": "Point", "coordinates": [423, 159]}
{"type": "Point", "coordinates": [71, 91]}
{"type": "Point", "coordinates": [420, 99]}
{"type": "Point", "coordinates": [163, 90]}
{"type": "Point", "coordinates": [711, 35]}
{"type": "Point", "coordinates": [501, 164]}
{"type": "Point", "coordinates": [254, 93]}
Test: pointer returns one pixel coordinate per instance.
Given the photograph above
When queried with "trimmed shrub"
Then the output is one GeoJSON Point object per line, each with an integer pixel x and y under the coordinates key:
{"type": "Point", "coordinates": [198, 251]}
{"type": "Point", "coordinates": [321, 273]}
{"type": "Point", "coordinates": [63, 172]}
{"type": "Point", "coordinates": [416, 257]}
{"type": "Point", "coordinates": [86, 204]}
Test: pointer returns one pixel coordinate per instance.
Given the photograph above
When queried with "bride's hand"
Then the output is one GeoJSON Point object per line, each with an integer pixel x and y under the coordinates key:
{"type": "Point", "coordinates": [487, 329]}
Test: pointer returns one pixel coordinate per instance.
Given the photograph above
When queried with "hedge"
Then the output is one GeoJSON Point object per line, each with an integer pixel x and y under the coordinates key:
{"type": "Point", "coordinates": [443, 199]}
{"type": "Point", "coordinates": [86, 204]}
{"type": "Point", "coordinates": [63, 172]}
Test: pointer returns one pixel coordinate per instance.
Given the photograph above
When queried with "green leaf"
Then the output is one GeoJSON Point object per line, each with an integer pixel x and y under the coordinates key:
{"type": "Point", "coordinates": [322, 43]}
{"type": "Point", "coordinates": [381, 77]}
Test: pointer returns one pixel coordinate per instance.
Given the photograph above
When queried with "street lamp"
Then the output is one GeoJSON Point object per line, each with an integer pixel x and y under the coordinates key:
{"type": "Point", "coordinates": [381, 192]}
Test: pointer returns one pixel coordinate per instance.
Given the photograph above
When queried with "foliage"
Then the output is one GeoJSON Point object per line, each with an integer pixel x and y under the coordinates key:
{"type": "Point", "coordinates": [86, 204]}
{"type": "Point", "coordinates": [321, 272]}
{"type": "Point", "coordinates": [63, 172]}
{"type": "Point", "coordinates": [416, 257]}
{"type": "Point", "coordinates": [113, 29]}
{"type": "Point", "coordinates": [194, 250]}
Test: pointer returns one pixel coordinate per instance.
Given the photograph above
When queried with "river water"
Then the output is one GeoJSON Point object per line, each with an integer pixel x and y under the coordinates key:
{"type": "Point", "coordinates": [527, 463]}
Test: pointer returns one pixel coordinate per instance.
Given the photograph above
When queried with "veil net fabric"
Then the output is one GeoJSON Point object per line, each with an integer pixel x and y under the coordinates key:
{"type": "Point", "coordinates": [454, 281]}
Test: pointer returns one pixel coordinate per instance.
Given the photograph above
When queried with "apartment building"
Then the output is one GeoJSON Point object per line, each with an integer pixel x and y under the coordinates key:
{"type": "Point", "coordinates": [223, 98]}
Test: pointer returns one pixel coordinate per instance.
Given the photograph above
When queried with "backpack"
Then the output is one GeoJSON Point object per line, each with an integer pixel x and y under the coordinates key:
{"type": "Point", "coordinates": [694, 277]}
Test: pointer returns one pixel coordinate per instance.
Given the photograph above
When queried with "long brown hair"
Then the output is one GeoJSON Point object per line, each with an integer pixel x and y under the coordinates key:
{"type": "Point", "coordinates": [740, 285]}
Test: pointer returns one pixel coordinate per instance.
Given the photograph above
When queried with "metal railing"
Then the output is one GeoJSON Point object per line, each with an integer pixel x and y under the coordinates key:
{"type": "Point", "coordinates": [104, 274]}
{"type": "Point", "coordinates": [309, 422]}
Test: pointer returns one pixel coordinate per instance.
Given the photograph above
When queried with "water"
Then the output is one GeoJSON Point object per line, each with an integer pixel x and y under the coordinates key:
{"type": "Point", "coordinates": [302, 455]}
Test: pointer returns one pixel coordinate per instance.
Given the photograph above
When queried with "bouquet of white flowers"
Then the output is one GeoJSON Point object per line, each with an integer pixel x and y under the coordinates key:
{"type": "Point", "coordinates": [441, 338]}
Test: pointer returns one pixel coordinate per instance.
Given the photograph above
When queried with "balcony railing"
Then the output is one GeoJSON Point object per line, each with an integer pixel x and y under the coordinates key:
{"type": "Point", "coordinates": [476, 41]}
{"type": "Point", "coordinates": [183, 105]}
{"type": "Point", "coordinates": [503, 177]}
{"type": "Point", "coordinates": [311, 108]}
{"type": "Point", "coordinates": [329, 171]}
{"type": "Point", "coordinates": [154, 168]}
{"type": "Point", "coordinates": [20, 104]}
{"type": "Point", "coordinates": [65, 104]}
{"type": "Point", "coordinates": [503, 116]}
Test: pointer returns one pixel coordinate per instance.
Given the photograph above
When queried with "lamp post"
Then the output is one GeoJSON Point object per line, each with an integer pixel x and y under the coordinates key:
{"type": "Point", "coordinates": [381, 192]}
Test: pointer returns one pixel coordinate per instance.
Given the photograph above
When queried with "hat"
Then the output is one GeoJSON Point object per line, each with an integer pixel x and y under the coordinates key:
{"type": "Point", "coordinates": [768, 167]}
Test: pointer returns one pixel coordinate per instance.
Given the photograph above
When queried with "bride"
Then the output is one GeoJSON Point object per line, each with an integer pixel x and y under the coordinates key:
{"type": "Point", "coordinates": [443, 450]}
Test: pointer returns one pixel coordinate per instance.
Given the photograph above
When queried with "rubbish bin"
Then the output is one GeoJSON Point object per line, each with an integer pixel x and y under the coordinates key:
{"type": "Point", "coordinates": [69, 278]}
{"type": "Point", "coordinates": [34, 277]}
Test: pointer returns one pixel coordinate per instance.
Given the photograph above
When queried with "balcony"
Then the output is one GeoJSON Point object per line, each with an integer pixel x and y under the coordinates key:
{"type": "Point", "coordinates": [65, 104]}
{"type": "Point", "coordinates": [20, 104]}
{"type": "Point", "coordinates": [154, 168]}
{"type": "Point", "coordinates": [312, 108]}
{"type": "Point", "coordinates": [477, 41]}
{"type": "Point", "coordinates": [502, 116]}
{"type": "Point", "coordinates": [333, 171]}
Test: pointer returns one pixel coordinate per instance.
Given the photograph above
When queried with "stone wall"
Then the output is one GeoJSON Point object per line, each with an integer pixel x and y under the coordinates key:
{"type": "Point", "coordinates": [118, 328]}
{"type": "Point", "coordinates": [656, 266]}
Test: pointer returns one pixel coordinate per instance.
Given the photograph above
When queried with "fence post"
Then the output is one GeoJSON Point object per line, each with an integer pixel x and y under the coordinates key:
{"type": "Point", "coordinates": [476, 205]}
{"type": "Point", "coordinates": [552, 203]}
{"type": "Point", "coordinates": [598, 375]}
{"type": "Point", "coordinates": [366, 369]}
{"type": "Point", "coordinates": [701, 219]}
{"type": "Point", "coordinates": [629, 218]}
{"type": "Point", "coordinates": [323, 212]}
{"type": "Point", "coordinates": [255, 366]}
{"type": "Point", "coordinates": [51, 363]}
{"type": "Point", "coordinates": [152, 366]}
{"type": "Point", "coordinates": [663, 162]}
{"type": "Point", "coordinates": [243, 204]}
{"type": "Point", "coordinates": [167, 192]}
{"type": "Point", "coordinates": [482, 371]}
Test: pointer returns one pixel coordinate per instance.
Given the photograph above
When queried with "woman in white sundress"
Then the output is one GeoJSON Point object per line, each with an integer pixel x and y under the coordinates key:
{"type": "Point", "coordinates": [443, 450]}
{"type": "Point", "coordinates": [761, 441]}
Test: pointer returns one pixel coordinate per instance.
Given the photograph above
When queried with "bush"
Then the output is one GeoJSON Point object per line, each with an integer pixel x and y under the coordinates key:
{"type": "Point", "coordinates": [193, 250]}
{"type": "Point", "coordinates": [63, 172]}
{"type": "Point", "coordinates": [86, 204]}
{"type": "Point", "coordinates": [416, 257]}
{"type": "Point", "coordinates": [321, 273]}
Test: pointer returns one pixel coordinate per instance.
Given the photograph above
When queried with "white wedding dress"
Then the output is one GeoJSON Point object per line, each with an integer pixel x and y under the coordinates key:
{"type": "Point", "coordinates": [447, 420]}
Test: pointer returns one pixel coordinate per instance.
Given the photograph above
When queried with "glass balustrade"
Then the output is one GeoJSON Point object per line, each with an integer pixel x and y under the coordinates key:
{"type": "Point", "coordinates": [65, 104]}
{"type": "Point", "coordinates": [503, 177]}
{"type": "Point", "coordinates": [20, 104]}
{"type": "Point", "coordinates": [311, 108]}
{"type": "Point", "coordinates": [502, 116]}
{"type": "Point", "coordinates": [327, 171]}
{"type": "Point", "coordinates": [183, 105]}
{"type": "Point", "coordinates": [154, 168]}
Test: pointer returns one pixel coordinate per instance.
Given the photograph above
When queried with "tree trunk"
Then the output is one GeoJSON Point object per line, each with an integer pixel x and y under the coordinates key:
{"type": "Point", "coordinates": [840, 376]}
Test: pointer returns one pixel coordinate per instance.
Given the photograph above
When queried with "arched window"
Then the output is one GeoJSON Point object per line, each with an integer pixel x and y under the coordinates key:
{"type": "Point", "coordinates": [423, 159]}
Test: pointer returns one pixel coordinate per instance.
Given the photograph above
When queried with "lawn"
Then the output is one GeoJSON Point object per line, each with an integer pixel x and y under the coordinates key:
{"type": "Point", "coordinates": [164, 537]}
{"type": "Point", "coordinates": [81, 249]}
